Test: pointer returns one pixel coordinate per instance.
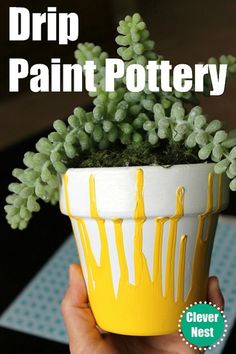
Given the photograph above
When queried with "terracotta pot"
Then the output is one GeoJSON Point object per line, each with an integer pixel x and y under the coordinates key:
{"type": "Point", "coordinates": [144, 237]}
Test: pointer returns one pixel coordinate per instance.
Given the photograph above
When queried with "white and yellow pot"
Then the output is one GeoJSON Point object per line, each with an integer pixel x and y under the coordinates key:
{"type": "Point", "coordinates": [144, 236]}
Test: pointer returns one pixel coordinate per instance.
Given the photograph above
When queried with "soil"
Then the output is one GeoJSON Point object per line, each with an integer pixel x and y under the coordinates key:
{"type": "Point", "coordinates": [144, 154]}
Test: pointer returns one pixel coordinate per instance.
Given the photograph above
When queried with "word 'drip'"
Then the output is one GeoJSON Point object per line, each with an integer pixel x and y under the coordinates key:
{"type": "Point", "coordinates": [63, 27]}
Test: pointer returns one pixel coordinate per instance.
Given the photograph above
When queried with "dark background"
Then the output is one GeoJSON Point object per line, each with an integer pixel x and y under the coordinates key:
{"type": "Point", "coordinates": [185, 32]}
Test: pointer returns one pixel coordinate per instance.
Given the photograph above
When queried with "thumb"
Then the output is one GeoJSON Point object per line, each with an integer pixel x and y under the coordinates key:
{"type": "Point", "coordinates": [214, 293]}
{"type": "Point", "coordinates": [78, 317]}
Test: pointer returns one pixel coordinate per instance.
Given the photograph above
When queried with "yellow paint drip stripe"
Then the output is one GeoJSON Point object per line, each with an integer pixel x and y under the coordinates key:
{"type": "Point", "coordinates": [139, 212]}
{"type": "Point", "coordinates": [93, 202]}
{"type": "Point", "coordinates": [171, 247]}
{"type": "Point", "coordinates": [209, 207]}
{"type": "Point", "coordinates": [120, 250]}
{"type": "Point", "coordinates": [157, 256]}
{"type": "Point", "coordinates": [220, 185]}
{"type": "Point", "coordinates": [87, 255]}
{"type": "Point", "coordinates": [140, 262]}
{"type": "Point", "coordinates": [181, 268]}
{"type": "Point", "coordinates": [65, 182]}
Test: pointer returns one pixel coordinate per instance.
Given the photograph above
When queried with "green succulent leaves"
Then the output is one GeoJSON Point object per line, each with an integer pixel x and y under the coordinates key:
{"type": "Point", "coordinates": [123, 117]}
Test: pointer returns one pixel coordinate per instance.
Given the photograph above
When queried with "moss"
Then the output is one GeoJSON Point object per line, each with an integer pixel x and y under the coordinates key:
{"type": "Point", "coordinates": [164, 153]}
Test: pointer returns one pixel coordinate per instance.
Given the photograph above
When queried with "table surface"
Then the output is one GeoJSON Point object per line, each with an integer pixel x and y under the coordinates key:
{"type": "Point", "coordinates": [22, 254]}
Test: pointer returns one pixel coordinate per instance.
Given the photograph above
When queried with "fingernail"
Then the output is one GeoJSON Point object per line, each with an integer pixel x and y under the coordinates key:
{"type": "Point", "coordinates": [215, 283]}
{"type": "Point", "coordinates": [218, 284]}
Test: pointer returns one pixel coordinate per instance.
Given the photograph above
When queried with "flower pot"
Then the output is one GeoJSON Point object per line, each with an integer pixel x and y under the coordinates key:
{"type": "Point", "coordinates": [144, 237]}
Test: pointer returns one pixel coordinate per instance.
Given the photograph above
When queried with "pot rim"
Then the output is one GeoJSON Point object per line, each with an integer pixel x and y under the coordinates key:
{"type": "Point", "coordinates": [182, 166]}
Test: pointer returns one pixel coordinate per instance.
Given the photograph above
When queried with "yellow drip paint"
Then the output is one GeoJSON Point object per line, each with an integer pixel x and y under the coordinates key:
{"type": "Point", "coordinates": [139, 212]}
{"type": "Point", "coordinates": [65, 182]}
{"type": "Point", "coordinates": [170, 259]}
{"type": "Point", "coordinates": [203, 247]}
{"type": "Point", "coordinates": [220, 183]}
{"type": "Point", "coordinates": [120, 250]}
{"type": "Point", "coordinates": [181, 268]}
{"type": "Point", "coordinates": [88, 254]}
{"type": "Point", "coordinates": [157, 256]}
{"type": "Point", "coordinates": [209, 195]}
{"type": "Point", "coordinates": [93, 203]}
{"type": "Point", "coordinates": [140, 262]}
{"type": "Point", "coordinates": [208, 213]}
{"type": "Point", "coordinates": [144, 307]}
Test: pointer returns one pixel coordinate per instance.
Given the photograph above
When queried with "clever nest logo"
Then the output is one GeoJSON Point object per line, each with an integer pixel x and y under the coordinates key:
{"type": "Point", "coordinates": [202, 325]}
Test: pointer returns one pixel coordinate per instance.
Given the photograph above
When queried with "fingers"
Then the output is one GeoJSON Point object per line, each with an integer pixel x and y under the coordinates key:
{"type": "Point", "coordinates": [78, 317]}
{"type": "Point", "coordinates": [214, 294]}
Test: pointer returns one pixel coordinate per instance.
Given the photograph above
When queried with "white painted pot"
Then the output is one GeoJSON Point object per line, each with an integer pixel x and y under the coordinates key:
{"type": "Point", "coordinates": [144, 236]}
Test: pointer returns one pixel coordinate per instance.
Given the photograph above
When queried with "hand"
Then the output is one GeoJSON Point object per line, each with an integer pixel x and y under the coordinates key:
{"type": "Point", "coordinates": [86, 338]}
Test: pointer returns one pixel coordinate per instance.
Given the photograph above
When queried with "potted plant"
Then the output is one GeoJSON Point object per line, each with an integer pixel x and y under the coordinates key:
{"type": "Point", "coordinates": [143, 177]}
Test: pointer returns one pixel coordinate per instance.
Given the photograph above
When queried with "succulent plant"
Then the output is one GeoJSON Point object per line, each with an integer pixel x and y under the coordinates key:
{"type": "Point", "coordinates": [120, 117]}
